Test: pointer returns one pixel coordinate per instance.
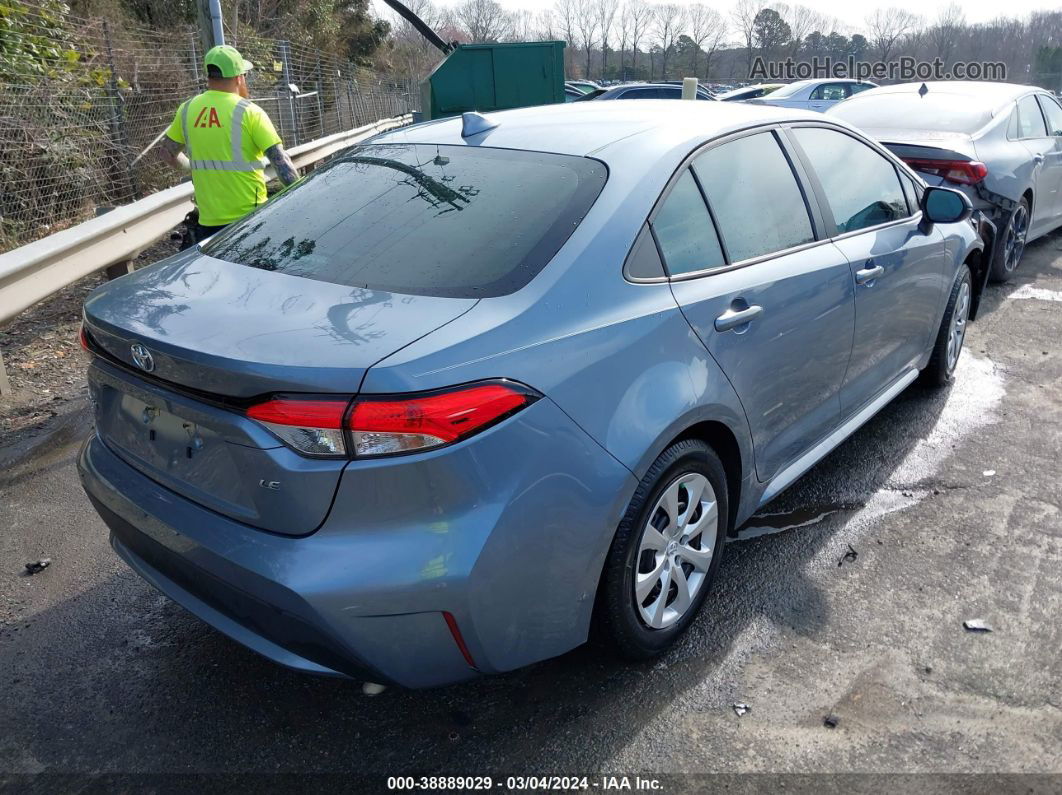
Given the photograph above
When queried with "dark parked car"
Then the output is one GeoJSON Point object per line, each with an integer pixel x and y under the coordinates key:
{"type": "Point", "coordinates": [645, 91]}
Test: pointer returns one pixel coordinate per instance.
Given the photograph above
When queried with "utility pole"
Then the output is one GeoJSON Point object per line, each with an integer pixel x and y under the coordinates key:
{"type": "Point", "coordinates": [208, 14]}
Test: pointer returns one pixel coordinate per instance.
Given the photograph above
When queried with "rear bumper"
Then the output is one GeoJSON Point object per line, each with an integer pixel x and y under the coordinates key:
{"type": "Point", "coordinates": [367, 600]}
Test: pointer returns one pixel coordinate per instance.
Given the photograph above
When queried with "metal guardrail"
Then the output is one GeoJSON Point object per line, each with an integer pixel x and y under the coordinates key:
{"type": "Point", "coordinates": [33, 272]}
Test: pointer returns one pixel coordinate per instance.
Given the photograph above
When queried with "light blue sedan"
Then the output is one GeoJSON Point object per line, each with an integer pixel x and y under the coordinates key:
{"type": "Point", "coordinates": [480, 384]}
{"type": "Point", "coordinates": [817, 95]}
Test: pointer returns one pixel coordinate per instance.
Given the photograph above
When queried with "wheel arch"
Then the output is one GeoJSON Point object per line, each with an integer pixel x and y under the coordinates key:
{"type": "Point", "coordinates": [722, 440]}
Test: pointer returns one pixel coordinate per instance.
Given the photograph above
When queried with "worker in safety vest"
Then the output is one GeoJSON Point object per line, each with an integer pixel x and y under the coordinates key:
{"type": "Point", "coordinates": [225, 135]}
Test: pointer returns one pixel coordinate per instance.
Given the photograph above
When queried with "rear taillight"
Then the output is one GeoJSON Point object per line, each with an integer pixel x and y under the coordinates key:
{"type": "Point", "coordinates": [313, 426]}
{"type": "Point", "coordinates": [964, 172]}
{"type": "Point", "coordinates": [82, 337]}
{"type": "Point", "coordinates": [385, 425]}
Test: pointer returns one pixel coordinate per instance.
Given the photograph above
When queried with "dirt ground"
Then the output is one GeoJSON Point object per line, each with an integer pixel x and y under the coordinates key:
{"type": "Point", "coordinates": [43, 357]}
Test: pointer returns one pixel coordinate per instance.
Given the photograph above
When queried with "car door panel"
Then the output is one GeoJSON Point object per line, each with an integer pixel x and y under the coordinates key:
{"type": "Point", "coordinates": [787, 363]}
{"type": "Point", "coordinates": [898, 270]}
{"type": "Point", "coordinates": [1032, 129]}
{"type": "Point", "coordinates": [774, 307]}
{"type": "Point", "coordinates": [1053, 160]}
{"type": "Point", "coordinates": [896, 312]}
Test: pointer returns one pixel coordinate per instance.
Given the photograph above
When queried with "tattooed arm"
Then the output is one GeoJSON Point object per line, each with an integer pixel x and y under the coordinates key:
{"type": "Point", "coordinates": [172, 153]}
{"type": "Point", "coordinates": [286, 171]}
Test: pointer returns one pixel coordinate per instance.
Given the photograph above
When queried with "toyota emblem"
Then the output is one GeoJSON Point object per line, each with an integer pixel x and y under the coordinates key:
{"type": "Point", "coordinates": [142, 357]}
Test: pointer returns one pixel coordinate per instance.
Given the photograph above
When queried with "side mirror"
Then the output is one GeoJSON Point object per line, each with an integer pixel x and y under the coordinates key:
{"type": "Point", "coordinates": [945, 206]}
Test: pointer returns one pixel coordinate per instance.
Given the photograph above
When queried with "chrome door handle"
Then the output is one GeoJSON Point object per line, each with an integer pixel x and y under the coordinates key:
{"type": "Point", "coordinates": [1039, 158]}
{"type": "Point", "coordinates": [869, 274]}
{"type": "Point", "coordinates": [733, 318]}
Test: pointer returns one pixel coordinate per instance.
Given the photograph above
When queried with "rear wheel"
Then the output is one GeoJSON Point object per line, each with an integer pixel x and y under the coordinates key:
{"type": "Point", "coordinates": [952, 333]}
{"type": "Point", "coordinates": [666, 551]}
{"type": "Point", "coordinates": [1007, 254]}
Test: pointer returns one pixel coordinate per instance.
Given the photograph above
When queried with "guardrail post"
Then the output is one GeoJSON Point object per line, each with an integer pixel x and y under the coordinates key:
{"type": "Point", "coordinates": [119, 269]}
{"type": "Point", "coordinates": [5, 383]}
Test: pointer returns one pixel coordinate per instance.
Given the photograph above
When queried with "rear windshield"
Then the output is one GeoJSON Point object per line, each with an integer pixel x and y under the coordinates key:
{"type": "Point", "coordinates": [453, 221]}
{"type": "Point", "coordinates": [943, 112]}
{"type": "Point", "coordinates": [792, 88]}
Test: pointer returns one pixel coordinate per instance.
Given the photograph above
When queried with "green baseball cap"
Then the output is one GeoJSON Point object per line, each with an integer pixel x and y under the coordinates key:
{"type": "Point", "coordinates": [228, 60]}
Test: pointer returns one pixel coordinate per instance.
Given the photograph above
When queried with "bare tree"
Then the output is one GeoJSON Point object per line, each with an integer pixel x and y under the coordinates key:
{"type": "Point", "coordinates": [484, 20]}
{"type": "Point", "coordinates": [641, 17]}
{"type": "Point", "coordinates": [624, 35]}
{"type": "Point", "coordinates": [606, 18]}
{"type": "Point", "coordinates": [545, 25]}
{"type": "Point", "coordinates": [744, 15]}
{"type": "Point", "coordinates": [668, 21]}
{"type": "Point", "coordinates": [565, 15]}
{"type": "Point", "coordinates": [523, 25]}
{"type": "Point", "coordinates": [802, 21]}
{"type": "Point", "coordinates": [716, 40]}
{"type": "Point", "coordinates": [586, 26]}
{"type": "Point", "coordinates": [707, 29]}
{"type": "Point", "coordinates": [886, 26]}
{"type": "Point", "coordinates": [945, 31]}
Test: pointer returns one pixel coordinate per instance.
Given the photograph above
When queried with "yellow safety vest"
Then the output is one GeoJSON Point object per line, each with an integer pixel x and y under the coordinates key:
{"type": "Point", "coordinates": [225, 138]}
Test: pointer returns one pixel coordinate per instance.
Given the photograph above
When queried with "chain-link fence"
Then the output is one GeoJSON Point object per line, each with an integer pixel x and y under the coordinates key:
{"type": "Point", "coordinates": [83, 102]}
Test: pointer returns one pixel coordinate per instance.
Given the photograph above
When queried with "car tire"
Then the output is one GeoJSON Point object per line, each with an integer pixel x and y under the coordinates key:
{"type": "Point", "coordinates": [948, 345]}
{"type": "Point", "coordinates": [686, 534]}
{"type": "Point", "coordinates": [1007, 253]}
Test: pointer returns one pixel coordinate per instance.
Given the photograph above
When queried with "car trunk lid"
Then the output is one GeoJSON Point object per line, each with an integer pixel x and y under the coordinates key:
{"type": "Point", "coordinates": [219, 337]}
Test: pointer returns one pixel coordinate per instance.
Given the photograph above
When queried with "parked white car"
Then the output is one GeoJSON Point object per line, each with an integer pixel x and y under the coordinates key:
{"type": "Point", "coordinates": [1000, 143]}
{"type": "Point", "coordinates": [820, 95]}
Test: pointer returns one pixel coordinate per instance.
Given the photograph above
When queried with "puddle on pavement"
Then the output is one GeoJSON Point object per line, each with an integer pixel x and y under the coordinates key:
{"type": "Point", "coordinates": [763, 524]}
{"type": "Point", "coordinates": [971, 404]}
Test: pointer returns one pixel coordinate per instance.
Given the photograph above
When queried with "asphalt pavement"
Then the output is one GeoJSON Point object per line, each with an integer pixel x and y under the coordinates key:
{"type": "Point", "coordinates": [844, 599]}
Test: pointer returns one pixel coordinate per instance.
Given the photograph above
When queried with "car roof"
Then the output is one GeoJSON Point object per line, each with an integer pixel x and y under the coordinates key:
{"type": "Point", "coordinates": [655, 126]}
{"type": "Point", "coordinates": [969, 88]}
{"type": "Point", "coordinates": [763, 86]}
{"type": "Point", "coordinates": [987, 95]}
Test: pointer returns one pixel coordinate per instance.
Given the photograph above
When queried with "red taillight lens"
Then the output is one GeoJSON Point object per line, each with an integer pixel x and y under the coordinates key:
{"type": "Point", "coordinates": [82, 337]}
{"type": "Point", "coordinates": [964, 172]}
{"type": "Point", "coordinates": [386, 425]}
{"type": "Point", "coordinates": [382, 426]}
{"type": "Point", "coordinates": [313, 426]}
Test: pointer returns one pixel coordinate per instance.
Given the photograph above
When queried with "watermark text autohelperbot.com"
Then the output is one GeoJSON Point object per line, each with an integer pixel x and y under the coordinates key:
{"type": "Point", "coordinates": [904, 69]}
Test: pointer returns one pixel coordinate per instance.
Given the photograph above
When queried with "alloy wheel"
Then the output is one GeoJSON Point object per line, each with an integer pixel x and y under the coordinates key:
{"type": "Point", "coordinates": [1017, 230]}
{"type": "Point", "coordinates": [958, 325]}
{"type": "Point", "coordinates": [676, 550]}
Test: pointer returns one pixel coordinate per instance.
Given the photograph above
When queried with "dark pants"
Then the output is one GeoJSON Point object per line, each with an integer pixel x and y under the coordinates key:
{"type": "Point", "coordinates": [201, 233]}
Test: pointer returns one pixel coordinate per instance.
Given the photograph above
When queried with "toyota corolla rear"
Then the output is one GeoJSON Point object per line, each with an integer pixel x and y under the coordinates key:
{"type": "Point", "coordinates": [243, 470]}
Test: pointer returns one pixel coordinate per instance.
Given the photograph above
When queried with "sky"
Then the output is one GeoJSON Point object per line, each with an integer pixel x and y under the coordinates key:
{"type": "Point", "coordinates": [851, 14]}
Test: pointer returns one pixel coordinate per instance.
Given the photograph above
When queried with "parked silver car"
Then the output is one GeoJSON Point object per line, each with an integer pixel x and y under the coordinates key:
{"type": "Point", "coordinates": [820, 95]}
{"type": "Point", "coordinates": [1000, 143]}
{"type": "Point", "coordinates": [749, 92]}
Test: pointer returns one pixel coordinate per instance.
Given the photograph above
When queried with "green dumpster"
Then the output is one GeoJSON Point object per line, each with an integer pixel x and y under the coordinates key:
{"type": "Point", "coordinates": [485, 77]}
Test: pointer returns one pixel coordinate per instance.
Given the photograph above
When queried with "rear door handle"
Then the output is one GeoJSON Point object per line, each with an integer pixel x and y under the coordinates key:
{"type": "Point", "coordinates": [732, 318]}
{"type": "Point", "coordinates": [869, 274]}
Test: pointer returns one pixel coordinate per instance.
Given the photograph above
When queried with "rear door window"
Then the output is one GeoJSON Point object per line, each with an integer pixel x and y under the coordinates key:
{"type": "Point", "coordinates": [862, 187]}
{"type": "Point", "coordinates": [755, 196]}
{"type": "Point", "coordinates": [452, 221]}
{"type": "Point", "coordinates": [642, 93]}
{"type": "Point", "coordinates": [830, 92]}
{"type": "Point", "coordinates": [684, 230]}
{"type": "Point", "coordinates": [1030, 119]}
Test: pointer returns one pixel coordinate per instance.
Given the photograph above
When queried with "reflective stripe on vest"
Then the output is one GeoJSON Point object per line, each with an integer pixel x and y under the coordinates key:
{"type": "Point", "coordinates": [237, 162]}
